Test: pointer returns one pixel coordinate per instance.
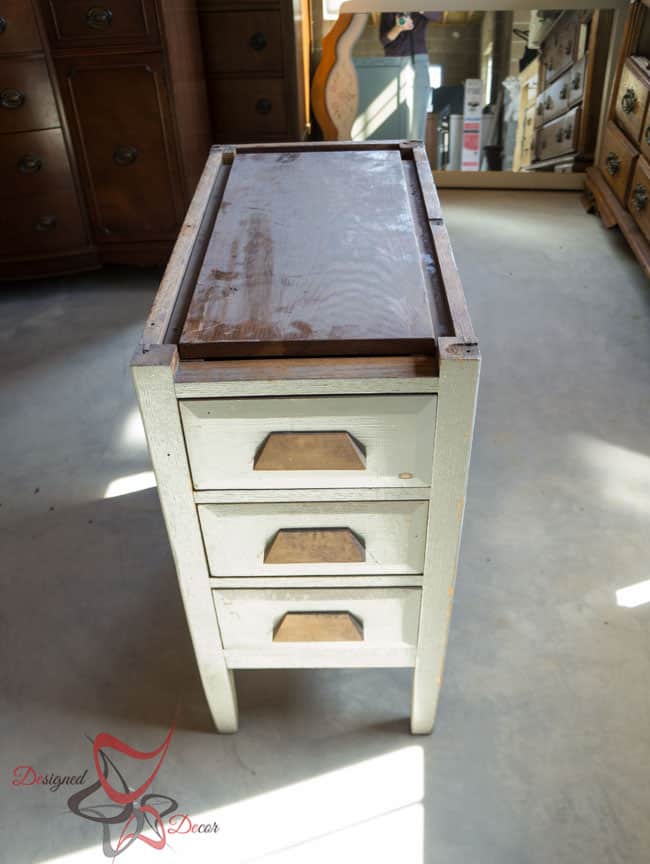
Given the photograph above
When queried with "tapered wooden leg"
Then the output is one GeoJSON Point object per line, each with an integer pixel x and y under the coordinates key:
{"type": "Point", "coordinates": [459, 369]}
{"type": "Point", "coordinates": [153, 374]}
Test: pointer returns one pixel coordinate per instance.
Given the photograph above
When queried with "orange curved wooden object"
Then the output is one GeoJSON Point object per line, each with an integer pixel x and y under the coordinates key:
{"type": "Point", "coordinates": [337, 55]}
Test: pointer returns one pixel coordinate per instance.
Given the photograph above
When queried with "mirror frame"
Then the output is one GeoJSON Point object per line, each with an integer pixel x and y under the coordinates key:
{"type": "Point", "coordinates": [522, 179]}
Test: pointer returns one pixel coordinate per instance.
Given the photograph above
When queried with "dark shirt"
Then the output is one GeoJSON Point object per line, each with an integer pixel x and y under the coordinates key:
{"type": "Point", "coordinates": [409, 42]}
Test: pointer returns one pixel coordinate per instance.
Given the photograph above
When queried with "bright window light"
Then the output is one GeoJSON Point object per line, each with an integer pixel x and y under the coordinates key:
{"type": "Point", "coordinates": [130, 483]}
{"type": "Point", "coordinates": [133, 431]}
{"type": "Point", "coordinates": [634, 595]}
{"type": "Point", "coordinates": [369, 811]}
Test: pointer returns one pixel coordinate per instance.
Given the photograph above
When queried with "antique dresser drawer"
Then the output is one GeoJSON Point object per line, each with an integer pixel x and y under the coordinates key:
{"type": "Point", "coordinates": [18, 30]}
{"type": "Point", "coordinates": [559, 136]}
{"type": "Point", "coordinates": [644, 142]}
{"type": "Point", "coordinates": [248, 41]}
{"type": "Point", "coordinates": [318, 627]}
{"type": "Point", "coordinates": [26, 95]}
{"type": "Point", "coordinates": [33, 163]}
{"type": "Point", "coordinates": [556, 98]}
{"type": "Point", "coordinates": [576, 79]}
{"type": "Point", "coordinates": [617, 161]}
{"type": "Point", "coordinates": [321, 539]}
{"type": "Point", "coordinates": [631, 100]}
{"type": "Point", "coordinates": [251, 106]}
{"type": "Point", "coordinates": [101, 22]}
{"type": "Point", "coordinates": [310, 442]}
{"type": "Point", "coordinates": [561, 47]}
{"type": "Point", "coordinates": [124, 141]}
{"type": "Point", "coordinates": [639, 197]}
{"type": "Point", "coordinates": [42, 223]}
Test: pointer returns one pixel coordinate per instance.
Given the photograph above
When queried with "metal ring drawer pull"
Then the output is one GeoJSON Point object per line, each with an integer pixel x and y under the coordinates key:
{"type": "Point", "coordinates": [576, 81]}
{"type": "Point", "coordinates": [540, 109]}
{"type": "Point", "coordinates": [568, 132]}
{"type": "Point", "coordinates": [640, 196]}
{"type": "Point", "coordinates": [3, 24]}
{"type": "Point", "coordinates": [12, 99]}
{"type": "Point", "coordinates": [99, 18]}
{"type": "Point", "coordinates": [629, 101]}
{"type": "Point", "coordinates": [613, 164]}
{"type": "Point", "coordinates": [258, 41]}
{"type": "Point", "coordinates": [564, 92]}
{"type": "Point", "coordinates": [315, 546]}
{"type": "Point", "coordinates": [125, 155]}
{"type": "Point", "coordinates": [29, 164]}
{"type": "Point", "coordinates": [559, 135]}
{"type": "Point", "coordinates": [45, 223]}
{"type": "Point", "coordinates": [548, 103]}
{"type": "Point", "coordinates": [263, 106]}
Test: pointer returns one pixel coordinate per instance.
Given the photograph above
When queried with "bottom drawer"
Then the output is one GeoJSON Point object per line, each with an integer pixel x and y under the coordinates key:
{"type": "Point", "coordinates": [41, 224]}
{"type": "Point", "coordinates": [318, 628]}
{"type": "Point", "coordinates": [559, 136]}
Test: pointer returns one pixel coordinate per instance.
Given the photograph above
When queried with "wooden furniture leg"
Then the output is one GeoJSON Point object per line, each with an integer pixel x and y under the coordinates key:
{"type": "Point", "coordinates": [459, 369]}
{"type": "Point", "coordinates": [153, 375]}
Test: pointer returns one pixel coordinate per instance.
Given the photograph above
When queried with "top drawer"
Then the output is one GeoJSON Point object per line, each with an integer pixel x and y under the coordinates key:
{"type": "Point", "coordinates": [18, 30]}
{"type": "Point", "coordinates": [310, 442]}
{"type": "Point", "coordinates": [242, 41]}
{"type": "Point", "coordinates": [631, 100]}
{"type": "Point", "coordinates": [114, 22]}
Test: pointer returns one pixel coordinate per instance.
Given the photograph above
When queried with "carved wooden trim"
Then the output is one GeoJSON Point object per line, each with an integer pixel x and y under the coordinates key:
{"type": "Point", "coordinates": [310, 451]}
{"type": "Point", "coordinates": [315, 546]}
{"type": "Point", "coordinates": [318, 627]}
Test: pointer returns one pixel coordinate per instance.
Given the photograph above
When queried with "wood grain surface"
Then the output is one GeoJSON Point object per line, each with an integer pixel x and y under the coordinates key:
{"type": "Point", "coordinates": [309, 451]}
{"type": "Point", "coordinates": [318, 627]}
{"type": "Point", "coordinates": [314, 546]}
{"type": "Point", "coordinates": [312, 253]}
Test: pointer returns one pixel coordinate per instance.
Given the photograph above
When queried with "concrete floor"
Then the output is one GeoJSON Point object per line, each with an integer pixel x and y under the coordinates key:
{"type": "Point", "coordinates": [542, 747]}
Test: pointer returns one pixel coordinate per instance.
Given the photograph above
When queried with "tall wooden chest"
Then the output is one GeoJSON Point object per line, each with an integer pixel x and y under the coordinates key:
{"type": "Point", "coordinates": [307, 380]}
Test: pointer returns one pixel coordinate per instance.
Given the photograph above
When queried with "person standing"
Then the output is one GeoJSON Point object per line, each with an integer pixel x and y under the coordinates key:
{"type": "Point", "coordinates": [403, 34]}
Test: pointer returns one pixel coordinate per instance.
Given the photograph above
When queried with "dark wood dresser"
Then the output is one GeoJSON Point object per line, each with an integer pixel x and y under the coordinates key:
{"type": "Point", "coordinates": [256, 55]}
{"type": "Point", "coordinates": [103, 131]}
{"type": "Point", "coordinates": [571, 73]}
{"type": "Point", "coordinates": [618, 186]}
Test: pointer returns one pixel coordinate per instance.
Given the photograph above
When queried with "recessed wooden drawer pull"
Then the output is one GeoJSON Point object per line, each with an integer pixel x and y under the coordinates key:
{"type": "Point", "coordinates": [318, 627]}
{"type": "Point", "coordinates": [315, 546]}
{"type": "Point", "coordinates": [629, 101]}
{"type": "Point", "coordinates": [310, 451]}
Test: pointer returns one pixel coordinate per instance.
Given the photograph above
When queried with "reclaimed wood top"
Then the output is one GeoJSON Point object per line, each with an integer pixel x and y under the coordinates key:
{"type": "Point", "coordinates": [311, 254]}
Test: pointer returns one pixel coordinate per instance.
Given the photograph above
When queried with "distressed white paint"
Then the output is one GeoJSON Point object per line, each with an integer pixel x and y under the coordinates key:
{"type": "Point", "coordinates": [223, 436]}
{"type": "Point", "coordinates": [393, 533]}
{"type": "Point", "coordinates": [248, 618]}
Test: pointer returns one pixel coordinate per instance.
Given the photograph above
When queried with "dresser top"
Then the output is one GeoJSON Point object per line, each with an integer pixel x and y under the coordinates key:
{"type": "Point", "coordinates": [315, 253]}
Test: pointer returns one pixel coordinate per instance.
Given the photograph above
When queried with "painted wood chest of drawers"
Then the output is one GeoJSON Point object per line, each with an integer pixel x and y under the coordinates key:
{"type": "Point", "coordinates": [307, 380]}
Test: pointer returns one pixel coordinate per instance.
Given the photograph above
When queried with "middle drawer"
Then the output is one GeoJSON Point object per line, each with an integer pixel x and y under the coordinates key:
{"type": "Point", "coordinates": [349, 538]}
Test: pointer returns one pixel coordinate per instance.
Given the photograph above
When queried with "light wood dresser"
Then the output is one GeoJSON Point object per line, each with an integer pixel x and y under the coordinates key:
{"type": "Point", "coordinates": [307, 380]}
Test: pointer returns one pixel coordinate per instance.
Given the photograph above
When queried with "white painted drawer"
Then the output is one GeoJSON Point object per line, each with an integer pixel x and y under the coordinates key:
{"type": "Point", "coordinates": [390, 436]}
{"type": "Point", "coordinates": [329, 539]}
{"type": "Point", "coordinates": [388, 619]}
